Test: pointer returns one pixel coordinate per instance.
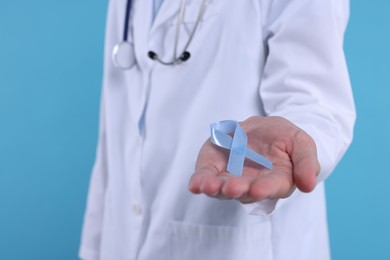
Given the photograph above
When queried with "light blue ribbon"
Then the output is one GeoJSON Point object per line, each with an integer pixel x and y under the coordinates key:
{"type": "Point", "coordinates": [220, 136]}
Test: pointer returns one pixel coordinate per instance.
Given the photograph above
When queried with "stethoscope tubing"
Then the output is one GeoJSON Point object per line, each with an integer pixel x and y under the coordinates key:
{"type": "Point", "coordinates": [127, 21]}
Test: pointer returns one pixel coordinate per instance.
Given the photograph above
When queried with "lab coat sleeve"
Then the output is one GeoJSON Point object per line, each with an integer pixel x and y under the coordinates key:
{"type": "Point", "coordinates": [305, 79]}
{"type": "Point", "coordinates": [93, 218]}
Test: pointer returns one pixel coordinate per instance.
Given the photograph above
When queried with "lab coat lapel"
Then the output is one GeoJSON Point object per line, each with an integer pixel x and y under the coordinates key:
{"type": "Point", "coordinates": [168, 10]}
{"type": "Point", "coordinates": [143, 11]}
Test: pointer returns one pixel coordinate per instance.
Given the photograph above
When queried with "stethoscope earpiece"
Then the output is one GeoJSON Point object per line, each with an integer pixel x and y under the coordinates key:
{"type": "Point", "coordinates": [185, 56]}
{"type": "Point", "coordinates": [152, 55]}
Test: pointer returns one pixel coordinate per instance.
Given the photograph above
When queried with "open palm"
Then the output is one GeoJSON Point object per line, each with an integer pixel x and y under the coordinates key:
{"type": "Point", "coordinates": [292, 152]}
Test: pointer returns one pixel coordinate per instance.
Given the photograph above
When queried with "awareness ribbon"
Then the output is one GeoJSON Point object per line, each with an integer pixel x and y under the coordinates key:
{"type": "Point", "coordinates": [220, 136]}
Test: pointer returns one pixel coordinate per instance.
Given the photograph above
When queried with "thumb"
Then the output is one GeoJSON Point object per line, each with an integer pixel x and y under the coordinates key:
{"type": "Point", "coordinates": [304, 158]}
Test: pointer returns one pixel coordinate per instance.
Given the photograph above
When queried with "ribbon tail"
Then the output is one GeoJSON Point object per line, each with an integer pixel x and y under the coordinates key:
{"type": "Point", "coordinates": [237, 152]}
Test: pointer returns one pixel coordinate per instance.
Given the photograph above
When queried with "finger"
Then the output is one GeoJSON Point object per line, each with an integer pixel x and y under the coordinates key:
{"type": "Point", "coordinates": [204, 179]}
{"type": "Point", "coordinates": [212, 186]}
{"type": "Point", "coordinates": [274, 185]}
{"type": "Point", "coordinates": [304, 158]}
{"type": "Point", "coordinates": [236, 187]}
{"type": "Point", "coordinates": [245, 199]}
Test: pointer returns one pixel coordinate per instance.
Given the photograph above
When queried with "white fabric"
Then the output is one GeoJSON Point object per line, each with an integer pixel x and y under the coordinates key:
{"type": "Point", "coordinates": [156, 7]}
{"type": "Point", "coordinates": [254, 57]}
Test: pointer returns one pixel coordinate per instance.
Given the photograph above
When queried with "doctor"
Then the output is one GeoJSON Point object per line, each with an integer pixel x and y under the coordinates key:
{"type": "Point", "coordinates": [276, 66]}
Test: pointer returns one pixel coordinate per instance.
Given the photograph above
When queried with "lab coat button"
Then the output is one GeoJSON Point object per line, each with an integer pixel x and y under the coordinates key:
{"type": "Point", "coordinates": [137, 209]}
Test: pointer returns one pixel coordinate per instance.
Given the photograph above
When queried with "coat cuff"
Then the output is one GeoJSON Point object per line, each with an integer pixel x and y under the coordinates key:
{"type": "Point", "coordinates": [264, 207]}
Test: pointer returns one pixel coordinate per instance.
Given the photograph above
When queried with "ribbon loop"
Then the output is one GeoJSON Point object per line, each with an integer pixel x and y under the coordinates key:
{"type": "Point", "coordinates": [220, 136]}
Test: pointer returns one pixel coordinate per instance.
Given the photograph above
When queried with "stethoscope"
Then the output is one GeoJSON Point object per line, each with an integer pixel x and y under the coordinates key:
{"type": "Point", "coordinates": [123, 55]}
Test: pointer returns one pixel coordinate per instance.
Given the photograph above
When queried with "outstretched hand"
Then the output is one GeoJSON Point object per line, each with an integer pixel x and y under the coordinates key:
{"type": "Point", "coordinates": [292, 152]}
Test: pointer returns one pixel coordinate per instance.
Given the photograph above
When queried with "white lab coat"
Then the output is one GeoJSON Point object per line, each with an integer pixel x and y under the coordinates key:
{"type": "Point", "coordinates": [248, 57]}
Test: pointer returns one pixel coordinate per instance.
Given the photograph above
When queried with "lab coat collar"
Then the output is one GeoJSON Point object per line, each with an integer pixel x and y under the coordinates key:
{"type": "Point", "coordinates": [168, 10]}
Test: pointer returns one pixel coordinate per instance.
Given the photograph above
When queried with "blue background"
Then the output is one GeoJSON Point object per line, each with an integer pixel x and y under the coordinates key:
{"type": "Point", "coordinates": [50, 78]}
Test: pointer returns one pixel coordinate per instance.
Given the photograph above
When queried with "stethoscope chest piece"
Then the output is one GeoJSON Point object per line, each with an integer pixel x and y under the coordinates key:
{"type": "Point", "coordinates": [123, 55]}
